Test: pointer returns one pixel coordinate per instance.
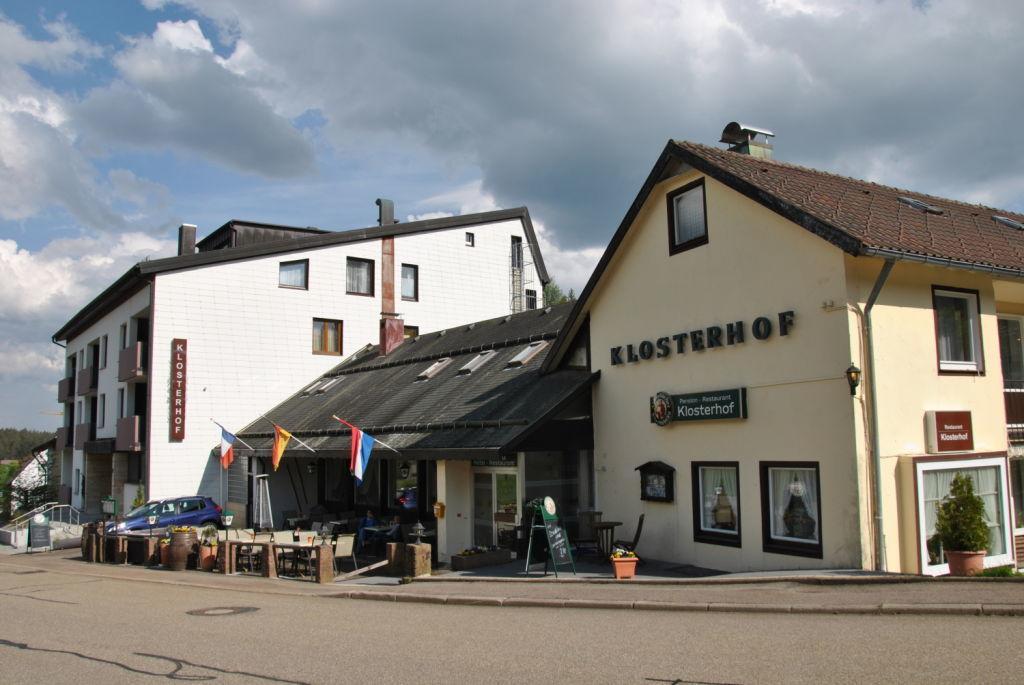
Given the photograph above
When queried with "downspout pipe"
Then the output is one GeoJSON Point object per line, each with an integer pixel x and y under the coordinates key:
{"type": "Point", "coordinates": [876, 457]}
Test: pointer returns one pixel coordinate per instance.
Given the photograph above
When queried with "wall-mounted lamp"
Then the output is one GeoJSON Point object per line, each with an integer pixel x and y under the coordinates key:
{"type": "Point", "coordinates": [853, 378]}
{"type": "Point", "coordinates": [404, 470]}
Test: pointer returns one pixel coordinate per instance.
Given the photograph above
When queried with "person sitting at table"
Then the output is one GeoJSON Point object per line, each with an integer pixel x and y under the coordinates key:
{"type": "Point", "coordinates": [367, 521]}
{"type": "Point", "coordinates": [392, 534]}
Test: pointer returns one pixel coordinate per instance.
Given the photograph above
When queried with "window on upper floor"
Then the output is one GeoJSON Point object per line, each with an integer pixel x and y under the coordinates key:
{"type": "Point", "coordinates": [120, 403]}
{"type": "Point", "coordinates": [470, 240]}
{"type": "Point", "coordinates": [123, 334]}
{"type": "Point", "coordinates": [958, 330]}
{"type": "Point", "coordinates": [517, 252]}
{"type": "Point", "coordinates": [359, 276]}
{"type": "Point", "coordinates": [531, 299]}
{"type": "Point", "coordinates": [327, 336]}
{"type": "Point", "coordinates": [294, 274]}
{"type": "Point", "coordinates": [410, 282]}
{"type": "Point", "coordinates": [687, 217]}
{"type": "Point", "coordinates": [101, 411]}
{"type": "Point", "coordinates": [103, 352]}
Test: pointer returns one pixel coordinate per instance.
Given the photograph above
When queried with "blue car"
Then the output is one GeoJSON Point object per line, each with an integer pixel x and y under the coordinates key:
{"type": "Point", "coordinates": [176, 511]}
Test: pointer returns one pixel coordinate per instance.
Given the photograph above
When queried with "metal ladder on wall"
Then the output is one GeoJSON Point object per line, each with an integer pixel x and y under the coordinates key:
{"type": "Point", "coordinates": [521, 275]}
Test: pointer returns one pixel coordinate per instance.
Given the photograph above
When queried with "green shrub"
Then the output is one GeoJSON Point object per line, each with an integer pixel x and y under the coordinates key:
{"type": "Point", "coordinates": [999, 572]}
{"type": "Point", "coordinates": [961, 524]}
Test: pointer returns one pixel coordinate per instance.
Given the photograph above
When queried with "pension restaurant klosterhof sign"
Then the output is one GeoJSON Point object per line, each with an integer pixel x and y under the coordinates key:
{"type": "Point", "coordinates": [949, 431]}
{"type": "Point", "coordinates": [699, 406]}
{"type": "Point", "coordinates": [179, 374]}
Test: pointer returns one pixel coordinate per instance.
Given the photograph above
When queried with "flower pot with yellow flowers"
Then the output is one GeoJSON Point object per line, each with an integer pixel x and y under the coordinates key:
{"type": "Point", "coordinates": [624, 563]}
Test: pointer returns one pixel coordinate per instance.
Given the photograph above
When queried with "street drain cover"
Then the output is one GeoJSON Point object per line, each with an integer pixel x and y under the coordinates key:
{"type": "Point", "coordinates": [221, 611]}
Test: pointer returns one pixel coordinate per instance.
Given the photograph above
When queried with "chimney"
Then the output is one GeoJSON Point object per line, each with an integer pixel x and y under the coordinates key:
{"type": "Point", "coordinates": [392, 329]}
{"type": "Point", "coordinates": [744, 139]}
{"type": "Point", "coordinates": [186, 239]}
{"type": "Point", "coordinates": [386, 214]}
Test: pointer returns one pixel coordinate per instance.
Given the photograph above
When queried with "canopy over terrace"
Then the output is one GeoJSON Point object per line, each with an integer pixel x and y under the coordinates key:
{"type": "Point", "coordinates": [472, 394]}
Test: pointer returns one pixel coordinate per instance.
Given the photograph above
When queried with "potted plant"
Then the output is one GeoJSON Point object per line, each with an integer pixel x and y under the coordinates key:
{"type": "Point", "coordinates": [208, 548]}
{"type": "Point", "coordinates": [962, 529]}
{"type": "Point", "coordinates": [624, 563]}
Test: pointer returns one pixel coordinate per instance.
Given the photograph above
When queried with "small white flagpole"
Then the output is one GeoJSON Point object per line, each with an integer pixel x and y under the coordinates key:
{"type": "Point", "coordinates": [236, 437]}
{"type": "Point", "coordinates": [293, 437]}
{"type": "Point", "coordinates": [374, 439]}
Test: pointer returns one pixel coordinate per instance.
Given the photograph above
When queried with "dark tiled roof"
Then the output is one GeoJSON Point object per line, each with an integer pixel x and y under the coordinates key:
{"type": "Point", "coordinates": [136, 277]}
{"type": "Point", "coordinates": [860, 217]}
{"type": "Point", "coordinates": [450, 411]}
{"type": "Point", "coordinates": [872, 215]}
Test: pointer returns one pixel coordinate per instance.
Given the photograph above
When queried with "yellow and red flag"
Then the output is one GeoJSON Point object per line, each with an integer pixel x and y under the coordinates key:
{"type": "Point", "coordinates": [281, 438]}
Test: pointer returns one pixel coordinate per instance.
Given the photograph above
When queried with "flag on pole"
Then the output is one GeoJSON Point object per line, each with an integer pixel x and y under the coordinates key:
{"type": "Point", "coordinates": [227, 448]}
{"type": "Point", "coordinates": [359, 453]}
{"type": "Point", "coordinates": [281, 438]}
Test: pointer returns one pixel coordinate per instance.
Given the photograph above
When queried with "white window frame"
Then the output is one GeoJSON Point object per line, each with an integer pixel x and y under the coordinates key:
{"type": "Point", "coordinates": [1013, 503]}
{"type": "Point", "coordinates": [922, 535]}
{"type": "Point", "coordinates": [976, 364]}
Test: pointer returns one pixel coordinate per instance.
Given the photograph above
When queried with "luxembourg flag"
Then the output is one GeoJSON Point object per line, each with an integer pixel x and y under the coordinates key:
{"type": "Point", "coordinates": [359, 455]}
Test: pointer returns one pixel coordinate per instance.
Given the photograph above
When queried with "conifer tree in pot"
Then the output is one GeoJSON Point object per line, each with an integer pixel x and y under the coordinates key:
{"type": "Point", "coordinates": [962, 528]}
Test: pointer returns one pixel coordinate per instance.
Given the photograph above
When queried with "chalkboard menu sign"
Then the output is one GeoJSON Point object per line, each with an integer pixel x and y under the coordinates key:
{"type": "Point", "coordinates": [39, 535]}
{"type": "Point", "coordinates": [545, 519]}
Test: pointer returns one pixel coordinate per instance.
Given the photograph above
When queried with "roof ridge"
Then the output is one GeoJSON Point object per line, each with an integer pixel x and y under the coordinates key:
{"type": "Point", "coordinates": [697, 147]}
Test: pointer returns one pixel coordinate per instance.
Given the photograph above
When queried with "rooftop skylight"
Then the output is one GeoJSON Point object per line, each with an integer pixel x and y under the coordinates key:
{"type": "Point", "coordinates": [1007, 221]}
{"type": "Point", "coordinates": [920, 204]}
{"type": "Point", "coordinates": [475, 363]}
{"type": "Point", "coordinates": [329, 383]}
{"type": "Point", "coordinates": [527, 353]}
{"type": "Point", "coordinates": [434, 369]}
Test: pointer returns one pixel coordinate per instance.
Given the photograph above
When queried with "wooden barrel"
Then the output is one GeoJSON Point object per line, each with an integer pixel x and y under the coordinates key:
{"type": "Point", "coordinates": [180, 549]}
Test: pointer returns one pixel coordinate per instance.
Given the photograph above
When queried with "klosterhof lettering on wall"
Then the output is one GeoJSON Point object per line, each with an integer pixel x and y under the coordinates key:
{"type": "Point", "coordinates": [179, 376]}
{"type": "Point", "coordinates": [701, 339]}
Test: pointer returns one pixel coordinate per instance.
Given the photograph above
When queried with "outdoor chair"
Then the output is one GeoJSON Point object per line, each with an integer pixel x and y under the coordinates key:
{"type": "Point", "coordinates": [630, 546]}
{"type": "Point", "coordinates": [344, 546]}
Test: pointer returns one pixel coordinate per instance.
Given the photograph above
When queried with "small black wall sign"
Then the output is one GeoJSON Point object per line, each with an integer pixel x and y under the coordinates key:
{"type": "Point", "coordinates": [699, 406]}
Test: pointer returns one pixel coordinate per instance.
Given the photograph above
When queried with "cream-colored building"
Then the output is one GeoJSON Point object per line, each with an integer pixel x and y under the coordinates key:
{"type": "Point", "coordinates": [741, 289]}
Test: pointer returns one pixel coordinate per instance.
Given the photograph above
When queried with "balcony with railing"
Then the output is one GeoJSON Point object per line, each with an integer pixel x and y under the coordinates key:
{"type": "Point", "coordinates": [62, 439]}
{"type": "Point", "coordinates": [84, 432]}
{"type": "Point", "coordinates": [1013, 399]}
{"type": "Point", "coordinates": [131, 363]}
{"type": "Point", "coordinates": [129, 435]}
{"type": "Point", "coordinates": [66, 390]}
{"type": "Point", "coordinates": [86, 381]}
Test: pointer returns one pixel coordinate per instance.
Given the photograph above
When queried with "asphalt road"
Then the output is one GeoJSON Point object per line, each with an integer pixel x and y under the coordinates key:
{"type": "Point", "coordinates": [58, 628]}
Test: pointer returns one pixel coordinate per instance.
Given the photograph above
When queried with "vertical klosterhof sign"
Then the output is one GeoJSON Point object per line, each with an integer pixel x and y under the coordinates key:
{"type": "Point", "coordinates": [179, 373]}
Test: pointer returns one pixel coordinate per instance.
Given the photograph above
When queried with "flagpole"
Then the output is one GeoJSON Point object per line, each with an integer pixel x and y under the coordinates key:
{"type": "Point", "coordinates": [236, 437]}
{"type": "Point", "coordinates": [374, 439]}
{"type": "Point", "coordinates": [293, 436]}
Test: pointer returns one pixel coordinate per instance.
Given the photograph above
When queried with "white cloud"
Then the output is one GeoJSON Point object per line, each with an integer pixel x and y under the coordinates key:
{"type": "Point", "coordinates": [175, 93]}
{"type": "Point", "coordinates": [40, 361]}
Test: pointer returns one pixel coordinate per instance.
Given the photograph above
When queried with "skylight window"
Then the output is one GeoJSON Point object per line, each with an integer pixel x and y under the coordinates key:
{"type": "Point", "coordinates": [329, 383]}
{"type": "Point", "coordinates": [434, 369]}
{"type": "Point", "coordinates": [920, 204]}
{"type": "Point", "coordinates": [312, 387]}
{"type": "Point", "coordinates": [476, 362]}
{"type": "Point", "coordinates": [527, 353]}
{"type": "Point", "coordinates": [1007, 221]}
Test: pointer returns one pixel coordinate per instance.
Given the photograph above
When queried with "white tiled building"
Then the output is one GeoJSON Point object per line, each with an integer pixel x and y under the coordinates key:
{"type": "Point", "coordinates": [260, 307]}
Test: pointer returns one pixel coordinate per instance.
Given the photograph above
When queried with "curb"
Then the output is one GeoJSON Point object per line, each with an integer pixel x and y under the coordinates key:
{"type": "Point", "coordinates": [888, 579]}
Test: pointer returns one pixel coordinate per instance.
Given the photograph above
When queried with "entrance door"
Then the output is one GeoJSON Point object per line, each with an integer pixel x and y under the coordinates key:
{"type": "Point", "coordinates": [495, 508]}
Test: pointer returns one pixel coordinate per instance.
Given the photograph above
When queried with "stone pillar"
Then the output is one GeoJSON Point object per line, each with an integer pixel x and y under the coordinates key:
{"type": "Point", "coordinates": [324, 573]}
{"type": "Point", "coordinates": [396, 559]}
{"type": "Point", "coordinates": [269, 559]}
{"type": "Point", "coordinates": [417, 560]}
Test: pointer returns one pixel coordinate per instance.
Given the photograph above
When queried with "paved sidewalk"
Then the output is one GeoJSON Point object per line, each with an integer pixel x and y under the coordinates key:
{"type": "Point", "coordinates": [828, 593]}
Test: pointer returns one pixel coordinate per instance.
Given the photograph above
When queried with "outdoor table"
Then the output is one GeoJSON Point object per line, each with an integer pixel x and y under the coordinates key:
{"type": "Point", "coordinates": [605, 535]}
{"type": "Point", "coordinates": [298, 547]}
{"type": "Point", "coordinates": [231, 548]}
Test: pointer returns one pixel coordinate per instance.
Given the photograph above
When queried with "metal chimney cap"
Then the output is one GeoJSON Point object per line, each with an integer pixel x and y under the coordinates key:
{"type": "Point", "coordinates": [735, 133]}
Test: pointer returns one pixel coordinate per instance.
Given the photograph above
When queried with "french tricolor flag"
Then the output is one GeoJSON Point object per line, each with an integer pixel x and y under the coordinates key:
{"type": "Point", "coordinates": [359, 453]}
{"type": "Point", "coordinates": [227, 448]}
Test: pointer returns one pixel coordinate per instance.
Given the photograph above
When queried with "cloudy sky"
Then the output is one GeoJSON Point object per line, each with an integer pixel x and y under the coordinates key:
{"type": "Point", "coordinates": [119, 120]}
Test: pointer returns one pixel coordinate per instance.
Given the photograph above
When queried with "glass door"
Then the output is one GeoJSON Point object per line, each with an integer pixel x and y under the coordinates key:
{"type": "Point", "coordinates": [495, 508]}
{"type": "Point", "coordinates": [483, 509]}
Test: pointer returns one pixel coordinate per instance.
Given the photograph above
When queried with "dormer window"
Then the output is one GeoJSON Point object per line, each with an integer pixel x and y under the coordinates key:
{"type": "Point", "coordinates": [687, 217]}
{"type": "Point", "coordinates": [527, 354]}
{"type": "Point", "coordinates": [434, 369]}
{"type": "Point", "coordinates": [476, 362]}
